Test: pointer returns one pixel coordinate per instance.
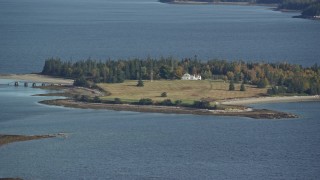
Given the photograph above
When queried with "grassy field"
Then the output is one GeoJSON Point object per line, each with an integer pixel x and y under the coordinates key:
{"type": "Point", "coordinates": [187, 91]}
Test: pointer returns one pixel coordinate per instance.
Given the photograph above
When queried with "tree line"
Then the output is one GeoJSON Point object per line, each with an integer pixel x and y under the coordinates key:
{"type": "Point", "coordinates": [290, 78]}
{"type": "Point", "coordinates": [309, 8]}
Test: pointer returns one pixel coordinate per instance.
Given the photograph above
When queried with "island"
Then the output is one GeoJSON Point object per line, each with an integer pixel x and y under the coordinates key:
{"type": "Point", "coordinates": [179, 86]}
{"type": "Point", "coordinates": [310, 9]}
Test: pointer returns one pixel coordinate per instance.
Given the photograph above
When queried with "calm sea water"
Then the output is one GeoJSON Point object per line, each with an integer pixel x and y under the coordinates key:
{"type": "Point", "coordinates": [129, 145]}
{"type": "Point", "coordinates": [33, 30]}
{"type": "Point", "coordinates": [105, 144]}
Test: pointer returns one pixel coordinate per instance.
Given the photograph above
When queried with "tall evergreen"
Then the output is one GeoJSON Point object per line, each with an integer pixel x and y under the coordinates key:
{"type": "Point", "coordinates": [231, 86]}
{"type": "Point", "coordinates": [242, 87]}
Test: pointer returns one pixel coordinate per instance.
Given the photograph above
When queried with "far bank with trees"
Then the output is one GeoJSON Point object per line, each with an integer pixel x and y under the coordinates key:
{"type": "Point", "coordinates": [308, 8]}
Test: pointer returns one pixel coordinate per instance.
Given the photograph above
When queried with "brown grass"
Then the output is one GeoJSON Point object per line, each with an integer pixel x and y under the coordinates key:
{"type": "Point", "coordinates": [187, 91]}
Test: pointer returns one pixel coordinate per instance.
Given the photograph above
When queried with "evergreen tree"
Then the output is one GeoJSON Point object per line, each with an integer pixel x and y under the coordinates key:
{"type": "Point", "coordinates": [242, 87]}
{"type": "Point", "coordinates": [164, 72]}
{"type": "Point", "coordinates": [231, 86]}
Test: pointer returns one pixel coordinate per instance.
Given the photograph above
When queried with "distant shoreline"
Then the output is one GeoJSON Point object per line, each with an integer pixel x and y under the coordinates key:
{"type": "Point", "coordinates": [272, 6]}
{"type": "Point", "coordinates": [218, 3]}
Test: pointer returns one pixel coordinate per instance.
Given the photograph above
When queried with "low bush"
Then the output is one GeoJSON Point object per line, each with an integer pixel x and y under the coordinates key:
{"type": "Point", "coordinates": [117, 101]}
{"type": "Point", "coordinates": [164, 94]}
{"type": "Point", "coordinates": [145, 101]}
{"type": "Point", "coordinates": [166, 102]}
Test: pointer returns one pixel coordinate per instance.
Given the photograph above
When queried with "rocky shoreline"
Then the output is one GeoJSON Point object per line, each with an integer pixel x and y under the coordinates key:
{"type": "Point", "coordinates": [247, 112]}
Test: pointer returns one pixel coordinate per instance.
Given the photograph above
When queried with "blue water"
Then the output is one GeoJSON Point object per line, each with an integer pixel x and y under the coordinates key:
{"type": "Point", "coordinates": [105, 144]}
{"type": "Point", "coordinates": [33, 30]}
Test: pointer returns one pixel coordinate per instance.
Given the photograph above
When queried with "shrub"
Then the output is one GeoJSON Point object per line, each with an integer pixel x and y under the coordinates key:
{"type": "Point", "coordinates": [178, 102]}
{"type": "Point", "coordinates": [140, 83]}
{"type": "Point", "coordinates": [164, 94]}
{"type": "Point", "coordinates": [166, 102]}
{"type": "Point", "coordinates": [84, 98]}
{"type": "Point", "coordinates": [117, 101]}
{"type": "Point", "coordinates": [81, 82]}
{"type": "Point", "coordinates": [277, 90]}
{"type": "Point", "coordinates": [96, 99]}
{"type": "Point", "coordinates": [145, 101]}
{"type": "Point", "coordinates": [201, 104]}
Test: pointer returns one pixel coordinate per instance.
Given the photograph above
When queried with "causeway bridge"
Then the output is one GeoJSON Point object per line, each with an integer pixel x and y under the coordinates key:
{"type": "Point", "coordinates": [32, 83]}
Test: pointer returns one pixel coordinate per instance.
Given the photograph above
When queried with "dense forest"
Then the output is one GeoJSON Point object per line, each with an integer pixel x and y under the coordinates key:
{"type": "Point", "coordinates": [280, 77]}
{"type": "Point", "coordinates": [309, 8]}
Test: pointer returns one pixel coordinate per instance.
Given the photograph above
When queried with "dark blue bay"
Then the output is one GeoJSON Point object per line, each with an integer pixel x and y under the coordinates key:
{"type": "Point", "coordinates": [33, 30]}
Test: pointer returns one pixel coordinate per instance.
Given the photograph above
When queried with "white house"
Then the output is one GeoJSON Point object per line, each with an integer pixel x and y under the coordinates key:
{"type": "Point", "coordinates": [189, 77]}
